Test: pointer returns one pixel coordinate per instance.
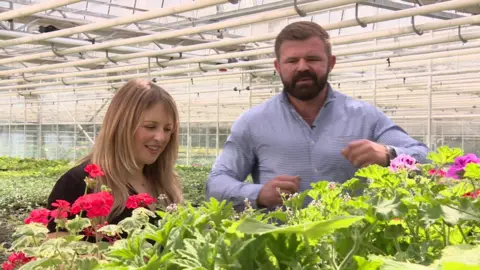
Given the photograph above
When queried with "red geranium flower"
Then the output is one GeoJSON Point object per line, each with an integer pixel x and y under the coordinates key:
{"type": "Point", "coordinates": [16, 259]}
{"type": "Point", "coordinates": [473, 194]}
{"type": "Point", "coordinates": [62, 209]}
{"type": "Point", "coordinates": [94, 170]}
{"type": "Point", "coordinates": [440, 173]}
{"type": "Point", "coordinates": [140, 200]}
{"type": "Point", "coordinates": [96, 204]}
{"type": "Point", "coordinates": [40, 215]}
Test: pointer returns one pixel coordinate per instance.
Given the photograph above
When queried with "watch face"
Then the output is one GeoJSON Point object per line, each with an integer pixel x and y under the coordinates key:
{"type": "Point", "coordinates": [392, 152]}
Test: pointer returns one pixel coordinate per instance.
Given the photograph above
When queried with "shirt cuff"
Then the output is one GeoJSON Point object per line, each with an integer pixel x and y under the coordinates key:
{"type": "Point", "coordinates": [251, 192]}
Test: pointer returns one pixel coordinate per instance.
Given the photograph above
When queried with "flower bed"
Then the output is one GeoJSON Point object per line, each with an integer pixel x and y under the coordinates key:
{"type": "Point", "coordinates": [407, 216]}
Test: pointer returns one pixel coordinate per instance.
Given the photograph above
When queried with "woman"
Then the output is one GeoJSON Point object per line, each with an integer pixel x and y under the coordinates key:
{"type": "Point", "coordinates": [136, 148]}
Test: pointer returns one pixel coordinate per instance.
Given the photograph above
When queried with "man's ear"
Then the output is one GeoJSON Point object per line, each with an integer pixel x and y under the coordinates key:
{"type": "Point", "coordinates": [332, 62]}
{"type": "Point", "coordinates": [277, 67]}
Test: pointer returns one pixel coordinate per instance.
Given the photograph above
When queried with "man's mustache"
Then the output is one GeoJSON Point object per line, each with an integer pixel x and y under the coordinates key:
{"type": "Point", "coordinates": [303, 75]}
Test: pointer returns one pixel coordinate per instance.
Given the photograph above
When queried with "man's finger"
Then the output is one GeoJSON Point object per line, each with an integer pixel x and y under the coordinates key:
{"type": "Point", "coordinates": [287, 178]}
{"type": "Point", "coordinates": [286, 185]}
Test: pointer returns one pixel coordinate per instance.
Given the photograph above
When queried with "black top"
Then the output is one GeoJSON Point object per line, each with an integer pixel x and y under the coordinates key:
{"type": "Point", "coordinates": [70, 187]}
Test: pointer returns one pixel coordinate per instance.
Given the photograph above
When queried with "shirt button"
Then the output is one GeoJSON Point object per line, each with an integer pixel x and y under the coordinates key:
{"type": "Point", "coordinates": [312, 142]}
{"type": "Point", "coordinates": [315, 170]}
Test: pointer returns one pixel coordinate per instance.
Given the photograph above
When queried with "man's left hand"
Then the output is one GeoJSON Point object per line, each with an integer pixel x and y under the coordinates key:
{"type": "Point", "coordinates": [362, 153]}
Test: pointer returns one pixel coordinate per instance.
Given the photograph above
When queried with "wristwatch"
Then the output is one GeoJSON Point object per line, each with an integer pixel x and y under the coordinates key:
{"type": "Point", "coordinates": [391, 153]}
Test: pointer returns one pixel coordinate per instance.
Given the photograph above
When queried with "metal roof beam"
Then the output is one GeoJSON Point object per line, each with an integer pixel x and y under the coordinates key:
{"type": "Point", "coordinates": [386, 4]}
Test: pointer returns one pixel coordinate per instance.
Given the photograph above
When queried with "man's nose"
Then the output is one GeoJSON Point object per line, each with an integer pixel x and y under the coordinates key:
{"type": "Point", "coordinates": [302, 65]}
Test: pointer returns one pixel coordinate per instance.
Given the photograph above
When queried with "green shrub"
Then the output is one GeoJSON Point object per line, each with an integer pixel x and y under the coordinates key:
{"type": "Point", "coordinates": [406, 217]}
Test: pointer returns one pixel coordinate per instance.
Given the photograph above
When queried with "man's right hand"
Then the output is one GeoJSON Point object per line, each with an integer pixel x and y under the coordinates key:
{"type": "Point", "coordinates": [269, 196]}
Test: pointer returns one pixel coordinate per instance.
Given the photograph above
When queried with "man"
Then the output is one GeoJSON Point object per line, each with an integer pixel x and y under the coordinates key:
{"type": "Point", "coordinates": [305, 134]}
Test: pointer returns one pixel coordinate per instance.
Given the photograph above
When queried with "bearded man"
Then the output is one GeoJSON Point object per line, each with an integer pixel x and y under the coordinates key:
{"type": "Point", "coordinates": [307, 133]}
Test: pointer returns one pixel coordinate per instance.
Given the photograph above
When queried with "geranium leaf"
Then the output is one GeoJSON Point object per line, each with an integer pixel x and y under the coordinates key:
{"type": "Point", "coordinates": [312, 230]}
{"type": "Point", "coordinates": [444, 155]}
{"type": "Point", "coordinates": [472, 170]}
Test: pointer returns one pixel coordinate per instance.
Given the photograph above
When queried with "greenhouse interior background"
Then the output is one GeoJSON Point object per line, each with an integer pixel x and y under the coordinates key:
{"type": "Point", "coordinates": [62, 60]}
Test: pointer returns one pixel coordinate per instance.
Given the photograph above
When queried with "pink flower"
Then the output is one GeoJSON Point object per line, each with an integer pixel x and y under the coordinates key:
{"type": "Point", "coordinates": [94, 170]}
{"type": "Point", "coordinates": [40, 215]}
{"type": "Point", "coordinates": [63, 207]}
{"type": "Point", "coordinates": [96, 204]}
{"type": "Point", "coordinates": [140, 200]}
{"type": "Point", "coordinates": [403, 162]}
{"type": "Point", "coordinates": [457, 169]}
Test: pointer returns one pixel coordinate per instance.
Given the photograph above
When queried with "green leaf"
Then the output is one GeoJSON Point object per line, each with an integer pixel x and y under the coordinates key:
{"type": "Point", "coordinates": [374, 172]}
{"type": "Point", "coordinates": [387, 209]}
{"type": "Point", "coordinates": [313, 230]}
{"type": "Point", "coordinates": [364, 264]}
{"type": "Point", "coordinates": [472, 170]}
{"type": "Point", "coordinates": [444, 155]}
{"type": "Point", "coordinates": [453, 216]}
{"type": "Point", "coordinates": [77, 224]}
{"type": "Point", "coordinates": [464, 254]}
{"type": "Point", "coordinates": [389, 264]}
{"type": "Point", "coordinates": [41, 264]}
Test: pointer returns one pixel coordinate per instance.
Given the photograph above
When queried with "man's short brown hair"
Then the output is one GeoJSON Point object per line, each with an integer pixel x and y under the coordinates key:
{"type": "Point", "coordinates": [302, 30]}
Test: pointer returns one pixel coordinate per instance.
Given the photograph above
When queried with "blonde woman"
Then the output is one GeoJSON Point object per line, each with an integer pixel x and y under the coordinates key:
{"type": "Point", "coordinates": [136, 148]}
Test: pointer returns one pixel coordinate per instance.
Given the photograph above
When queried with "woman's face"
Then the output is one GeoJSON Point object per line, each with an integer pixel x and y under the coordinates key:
{"type": "Point", "coordinates": [153, 134]}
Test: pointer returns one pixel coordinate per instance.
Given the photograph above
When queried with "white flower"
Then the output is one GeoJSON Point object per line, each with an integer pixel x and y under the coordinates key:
{"type": "Point", "coordinates": [172, 207]}
{"type": "Point", "coordinates": [331, 185]}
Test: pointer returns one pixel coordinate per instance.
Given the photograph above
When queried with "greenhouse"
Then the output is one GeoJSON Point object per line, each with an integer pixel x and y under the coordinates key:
{"type": "Point", "coordinates": [62, 62]}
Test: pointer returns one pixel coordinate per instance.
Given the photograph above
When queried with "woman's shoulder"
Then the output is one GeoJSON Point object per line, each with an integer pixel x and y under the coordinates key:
{"type": "Point", "coordinates": [70, 185]}
{"type": "Point", "coordinates": [75, 174]}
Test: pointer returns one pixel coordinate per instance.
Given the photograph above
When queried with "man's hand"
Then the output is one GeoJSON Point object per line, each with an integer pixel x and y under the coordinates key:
{"type": "Point", "coordinates": [362, 153]}
{"type": "Point", "coordinates": [269, 196]}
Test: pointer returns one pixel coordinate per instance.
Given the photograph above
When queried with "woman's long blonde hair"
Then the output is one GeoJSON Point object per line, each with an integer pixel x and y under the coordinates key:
{"type": "Point", "coordinates": [113, 150]}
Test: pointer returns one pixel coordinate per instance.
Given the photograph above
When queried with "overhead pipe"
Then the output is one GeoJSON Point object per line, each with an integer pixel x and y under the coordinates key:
{"type": "Point", "coordinates": [256, 18]}
{"type": "Point", "coordinates": [336, 40]}
{"type": "Point", "coordinates": [406, 44]}
{"type": "Point", "coordinates": [28, 10]}
{"type": "Point", "coordinates": [71, 42]}
{"type": "Point", "coordinates": [124, 20]}
{"type": "Point", "coordinates": [190, 31]}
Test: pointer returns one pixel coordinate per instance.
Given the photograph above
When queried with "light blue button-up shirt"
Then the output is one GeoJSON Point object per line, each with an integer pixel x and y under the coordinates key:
{"type": "Point", "coordinates": [272, 139]}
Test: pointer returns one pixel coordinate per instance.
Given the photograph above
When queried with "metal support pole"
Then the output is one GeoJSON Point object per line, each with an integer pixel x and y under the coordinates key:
{"type": "Point", "coordinates": [39, 123]}
{"type": "Point", "coordinates": [75, 120]}
{"type": "Point", "coordinates": [75, 133]}
{"type": "Point", "coordinates": [24, 128]}
{"type": "Point", "coordinates": [217, 133]}
{"type": "Point", "coordinates": [95, 115]}
{"type": "Point", "coordinates": [207, 139]}
{"type": "Point", "coordinates": [429, 120]}
{"type": "Point", "coordinates": [250, 93]}
{"type": "Point", "coordinates": [375, 79]}
{"type": "Point", "coordinates": [189, 139]}
{"type": "Point", "coordinates": [149, 67]}
{"type": "Point", "coordinates": [10, 127]}
{"type": "Point", "coordinates": [58, 135]}
{"type": "Point", "coordinates": [463, 135]}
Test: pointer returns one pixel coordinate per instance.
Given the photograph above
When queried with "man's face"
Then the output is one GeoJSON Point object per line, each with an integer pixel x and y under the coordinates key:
{"type": "Point", "coordinates": [304, 67]}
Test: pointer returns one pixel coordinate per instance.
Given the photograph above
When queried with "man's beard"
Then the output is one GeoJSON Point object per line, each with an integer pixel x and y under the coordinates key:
{"type": "Point", "coordinates": [306, 93]}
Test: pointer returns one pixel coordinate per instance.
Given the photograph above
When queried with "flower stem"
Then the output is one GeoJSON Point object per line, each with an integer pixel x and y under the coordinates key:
{"type": "Point", "coordinates": [462, 233]}
{"type": "Point", "coordinates": [473, 185]}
